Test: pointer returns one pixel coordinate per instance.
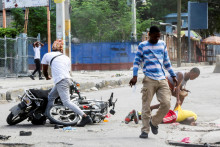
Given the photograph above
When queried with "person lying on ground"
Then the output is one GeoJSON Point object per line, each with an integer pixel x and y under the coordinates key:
{"type": "Point", "coordinates": [179, 91]}
{"type": "Point", "coordinates": [177, 115]}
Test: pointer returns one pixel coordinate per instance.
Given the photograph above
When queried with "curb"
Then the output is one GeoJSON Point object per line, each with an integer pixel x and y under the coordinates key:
{"type": "Point", "coordinates": [12, 94]}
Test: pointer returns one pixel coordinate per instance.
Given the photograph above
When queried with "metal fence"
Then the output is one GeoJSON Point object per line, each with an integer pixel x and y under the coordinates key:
{"type": "Point", "coordinates": [171, 42]}
{"type": "Point", "coordinates": [14, 55]}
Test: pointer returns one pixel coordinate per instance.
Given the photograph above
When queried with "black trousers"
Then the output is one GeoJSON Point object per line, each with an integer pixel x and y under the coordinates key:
{"type": "Point", "coordinates": [37, 64]}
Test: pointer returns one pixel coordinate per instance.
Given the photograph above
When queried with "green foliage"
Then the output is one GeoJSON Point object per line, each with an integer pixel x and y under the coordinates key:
{"type": "Point", "coordinates": [142, 26]}
{"type": "Point", "coordinates": [213, 18]}
{"type": "Point", "coordinates": [160, 8]}
{"type": "Point", "coordinates": [101, 20]}
{"type": "Point", "coordinates": [18, 16]}
{"type": "Point", "coordinates": [8, 32]}
{"type": "Point", "coordinates": [109, 20]}
{"type": "Point", "coordinates": [37, 21]}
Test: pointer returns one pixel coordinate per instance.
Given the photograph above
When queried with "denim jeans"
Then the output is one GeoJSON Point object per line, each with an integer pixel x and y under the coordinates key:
{"type": "Point", "coordinates": [62, 89]}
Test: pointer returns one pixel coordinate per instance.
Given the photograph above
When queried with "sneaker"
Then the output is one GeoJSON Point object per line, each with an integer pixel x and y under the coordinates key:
{"type": "Point", "coordinates": [84, 121]}
{"type": "Point", "coordinates": [135, 116]}
{"type": "Point", "coordinates": [129, 117]}
{"type": "Point", "coordinates": [143, 135]}
{"type": "Point", "coordinates": [32, 77]}
{"type": "Point", "coordinates": [154, 129]}
{"type": "Point", "coordinates": [41, 78]}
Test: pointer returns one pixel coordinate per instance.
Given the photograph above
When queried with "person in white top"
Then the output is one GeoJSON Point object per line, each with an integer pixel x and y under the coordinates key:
{"type": "Point", "coordinates": [36, 47]}
{"type": "Point", "coordinates": [60, 66]}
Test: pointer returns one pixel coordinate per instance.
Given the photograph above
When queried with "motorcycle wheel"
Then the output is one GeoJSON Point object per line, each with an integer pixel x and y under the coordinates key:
{"type": "Point", "coordinates": [40, 121]}
{"type": "Point", "coordinates": [13, 120]}
{"type": "Point", "coordinates": [59, 114]}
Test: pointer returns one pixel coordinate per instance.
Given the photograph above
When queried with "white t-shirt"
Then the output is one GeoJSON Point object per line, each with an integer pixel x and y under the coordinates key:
{"type": "Point", "coordinates": [37, 52]}
{"type": "Point", "coordinates": [60, 65]}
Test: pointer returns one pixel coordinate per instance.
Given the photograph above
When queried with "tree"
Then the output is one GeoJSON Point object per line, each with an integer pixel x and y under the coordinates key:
{"type": "Point", "coordinates": [37, 21]}
{"type": "Point", "coordinates": [101, 20]}
{"type": "Point", "coordinates": [160, 8]}
{"type": "Point", "coordinates": [213, 18]}
{"type": "Point", "coordinates": [18, 23]}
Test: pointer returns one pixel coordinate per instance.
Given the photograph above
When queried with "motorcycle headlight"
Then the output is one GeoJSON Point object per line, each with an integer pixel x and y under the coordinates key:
{"type": "Point", "coordinates": [26, 100]}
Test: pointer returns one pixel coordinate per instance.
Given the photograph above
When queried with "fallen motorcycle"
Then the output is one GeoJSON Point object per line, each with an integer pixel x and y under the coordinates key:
{"type": "Point", "coordinates": [96, 109]}
{"type": "Point", "coordinates": [33, 105]}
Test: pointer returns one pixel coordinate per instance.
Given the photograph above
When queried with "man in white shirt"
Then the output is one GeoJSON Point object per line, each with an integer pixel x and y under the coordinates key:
{"type": "Point", "coordinates": [36, 47]}
{"type": "Point", "coordinates": [60, 67]}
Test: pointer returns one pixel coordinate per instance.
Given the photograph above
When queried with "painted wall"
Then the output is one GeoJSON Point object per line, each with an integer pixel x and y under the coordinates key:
{"type": "Point", "coordinates": [98, 56]}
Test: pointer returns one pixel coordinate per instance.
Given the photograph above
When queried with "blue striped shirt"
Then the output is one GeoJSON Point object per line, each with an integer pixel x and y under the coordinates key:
{"type": "Point", "coordinates": [155, 58]}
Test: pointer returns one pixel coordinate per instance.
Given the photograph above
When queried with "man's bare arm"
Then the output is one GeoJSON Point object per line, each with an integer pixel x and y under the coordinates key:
{"type": "Point", "coordinates": [179, 81]}
{"type": "Point", "coordinates": [45, 72]}
{"type": "Point", "coordinates": [41, 44]}
{"type": "Point", "coordinates": [34, 44]}
{"type": "Point", "coordinates": [154, 107]}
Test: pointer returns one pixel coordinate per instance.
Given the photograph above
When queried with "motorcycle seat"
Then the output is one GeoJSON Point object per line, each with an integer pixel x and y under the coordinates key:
{"type": "Point", "coordinates": [40, 93]}
{"type": "Point", "coordinates": [83, 102]}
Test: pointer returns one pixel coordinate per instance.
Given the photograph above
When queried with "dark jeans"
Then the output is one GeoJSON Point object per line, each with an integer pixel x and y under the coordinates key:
{"type": "Point", "coordinates": [37, 64]}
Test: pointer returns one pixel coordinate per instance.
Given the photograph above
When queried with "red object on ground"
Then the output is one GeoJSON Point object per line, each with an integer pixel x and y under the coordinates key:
{"type": "Point", "coordinates": [185, 140]}
{"type": "Point", "coordinates": [107, 115]}
{"type": "Point", "coordinates": [170, 117]}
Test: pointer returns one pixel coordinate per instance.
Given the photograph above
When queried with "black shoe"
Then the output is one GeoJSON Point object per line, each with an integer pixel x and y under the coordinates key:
{"type": "Point", "coordinates": [143, 135]}
{"type": "Point", "coordinates": [32, 77]}
{"type": "Point", "coordinates": [40, 78]}
{"type": "Point", "coordinates": [154, 129]}
{"type": "Point", "coordinates": [84, 121]}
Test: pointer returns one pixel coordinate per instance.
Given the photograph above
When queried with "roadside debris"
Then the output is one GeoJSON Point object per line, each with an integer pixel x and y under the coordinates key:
{"type": "Point", "coordinates": [4, 137]}
{"type": "Point", "coordinates": [83, 72]}
{"type": "Point", "coordinates": [25, 133]}
{"type": "Point", "coordinates": [94, 89]}
{"type": "Point", "coordinates": [174, 125]}
{"type": "Point", "coordinates": [185, 140]}
{"type": "Point", "coordinates": [105, 120]}
{"type": "Point", "coordinates": [117, 75]}
{"type": "Point", "coordinates": [58, 126]}
{"type": "Point", "coordinates": [65, 128]}
{"type": "Point", "coordinates": [189, 144]}
{"type": "Point", "coordinates": [69, 128]}
{"type": "Point", "coordinates": [199, 130]}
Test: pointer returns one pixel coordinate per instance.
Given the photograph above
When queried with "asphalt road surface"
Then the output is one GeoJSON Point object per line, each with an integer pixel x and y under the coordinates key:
{"type": "Point", "coordinates": [203, 100]}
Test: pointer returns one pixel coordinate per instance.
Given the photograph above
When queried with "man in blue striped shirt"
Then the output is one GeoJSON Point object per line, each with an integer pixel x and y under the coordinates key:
{"type": "Point", "coordinates": [154, 55]}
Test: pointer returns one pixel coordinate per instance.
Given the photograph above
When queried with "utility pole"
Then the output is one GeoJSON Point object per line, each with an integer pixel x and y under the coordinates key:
{"type": "Point", "coordinates": [134, 29]}
{"type": "Point", "coordinates": [189, 28]}
{"type": "Point", "coordinates": [60, 22]}
{"type": "Point", "coordinates": [178, 33]}
{"type": "Point", "coordinates": [4, 18]}
{"type": "Point", "coordinates": [26, 20]}
{"type": "Point", "coordinates": [67, 28]}
{"type": "Point", "coordinates": [68, 31]}
{"type": "Point", "coordinates": [48, 29]}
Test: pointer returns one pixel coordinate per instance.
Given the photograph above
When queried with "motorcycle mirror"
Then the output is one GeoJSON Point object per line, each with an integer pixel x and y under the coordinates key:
{"type": "Point", "coordinates": [110, 100]}
{"type": "Point", "coordinates": [19, 96]}
{"type": "Point", "coordinates": [112, 111]}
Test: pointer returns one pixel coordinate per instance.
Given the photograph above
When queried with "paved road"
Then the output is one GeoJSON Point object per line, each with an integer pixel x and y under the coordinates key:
{"type": "Point", "coordinates": [112, 133]}
{"type": "Point", "coordinates": [203, 100]}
